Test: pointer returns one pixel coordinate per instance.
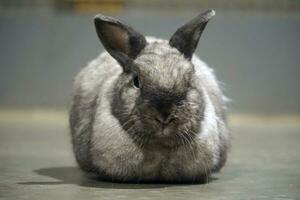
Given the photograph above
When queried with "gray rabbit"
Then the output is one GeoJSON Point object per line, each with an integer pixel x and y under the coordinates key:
{"type": "Point", "coordinates": [147, 110]}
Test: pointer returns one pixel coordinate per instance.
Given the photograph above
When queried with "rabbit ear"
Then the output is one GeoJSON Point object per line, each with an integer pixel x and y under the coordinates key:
{"type": "Point", "coordinates": [121, 41]}
{"type": "Point", "coordinates": [186, 38]}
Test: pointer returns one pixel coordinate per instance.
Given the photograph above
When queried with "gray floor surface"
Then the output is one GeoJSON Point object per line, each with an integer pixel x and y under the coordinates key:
{"type": "Point", "coordinates": [36, 162]}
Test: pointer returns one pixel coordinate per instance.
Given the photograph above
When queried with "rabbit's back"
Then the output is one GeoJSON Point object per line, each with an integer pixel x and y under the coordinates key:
{"type": "Point", "coordinates": [217, 114]}
{"type": "Point", "coordinates": [89, 88]}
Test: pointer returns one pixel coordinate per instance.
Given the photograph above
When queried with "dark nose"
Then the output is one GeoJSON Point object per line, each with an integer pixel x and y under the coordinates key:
{"type": "Point", "coordinates": [164, 108]}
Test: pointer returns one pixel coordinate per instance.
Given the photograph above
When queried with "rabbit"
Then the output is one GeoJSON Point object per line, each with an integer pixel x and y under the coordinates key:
{"type": "Point", "coordinates": [148, 109]}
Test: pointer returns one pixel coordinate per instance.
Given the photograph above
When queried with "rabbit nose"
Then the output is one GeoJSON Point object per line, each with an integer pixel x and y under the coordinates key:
{"type": "Point", "coordinates": [164, 116]}
{"type": "Point", "coordinates": [164, 111]}
{"type": "Point", "coordinates": [164, 121]}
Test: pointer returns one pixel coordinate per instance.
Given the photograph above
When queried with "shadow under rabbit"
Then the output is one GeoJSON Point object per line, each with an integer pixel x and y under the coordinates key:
{"type": "Point", "coordinates": [73, 175]}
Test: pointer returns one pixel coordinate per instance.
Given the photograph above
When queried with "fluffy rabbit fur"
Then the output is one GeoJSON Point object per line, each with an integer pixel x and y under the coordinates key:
{"type": "Point", "coordinates": [147, 110]}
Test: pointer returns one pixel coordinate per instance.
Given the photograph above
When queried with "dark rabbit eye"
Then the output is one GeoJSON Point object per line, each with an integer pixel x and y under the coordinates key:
{"type": "Point", "coordinates": [136, 81]}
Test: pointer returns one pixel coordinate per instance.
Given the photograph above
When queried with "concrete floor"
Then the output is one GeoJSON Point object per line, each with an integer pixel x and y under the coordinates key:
{"type": "Point", "coordinates": [36, 162]}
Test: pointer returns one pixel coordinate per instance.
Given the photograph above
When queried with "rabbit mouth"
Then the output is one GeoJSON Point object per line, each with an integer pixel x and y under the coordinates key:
{"type": "Point", "coordinates": [171, 133]}
{"type": "Point", "coordinates": [171, 138]}
{"type": "Point", "coordinates": [165, 132]}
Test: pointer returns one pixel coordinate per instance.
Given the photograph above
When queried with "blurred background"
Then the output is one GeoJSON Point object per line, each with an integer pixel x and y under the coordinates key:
{"type": "Point", "coordinates": [253, 45]}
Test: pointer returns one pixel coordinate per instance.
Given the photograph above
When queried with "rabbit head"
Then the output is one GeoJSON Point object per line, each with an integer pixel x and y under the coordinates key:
{"type": "Point", "coordinates": [157, 97]}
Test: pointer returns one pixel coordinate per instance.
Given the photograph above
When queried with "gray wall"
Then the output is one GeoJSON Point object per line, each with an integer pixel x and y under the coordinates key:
{"type": "Point", "coordinates": [255, 54]}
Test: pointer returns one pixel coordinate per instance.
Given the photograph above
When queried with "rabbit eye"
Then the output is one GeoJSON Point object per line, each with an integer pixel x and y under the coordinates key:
{"type": "Point", "coordinates": [136, 81]}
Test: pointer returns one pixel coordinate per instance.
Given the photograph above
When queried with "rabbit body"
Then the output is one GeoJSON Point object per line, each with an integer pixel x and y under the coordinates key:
{"type": "Point", "coordinates": [109, 142]}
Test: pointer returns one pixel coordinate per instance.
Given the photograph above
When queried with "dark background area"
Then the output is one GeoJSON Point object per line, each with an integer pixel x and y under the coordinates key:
{"type": "Point", "coordinates": [253, 47]}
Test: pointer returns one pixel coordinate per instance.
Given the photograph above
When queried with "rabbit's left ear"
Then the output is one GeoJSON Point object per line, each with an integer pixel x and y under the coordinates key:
{"type": "Point", "coordinates": [121, 41]}
{"type": "Point", "coordinates": [186, 38]}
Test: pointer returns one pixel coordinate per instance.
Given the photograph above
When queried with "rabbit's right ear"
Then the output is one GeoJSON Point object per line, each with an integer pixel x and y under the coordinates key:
{"type": "Point", "coordinates": [121, 41]}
